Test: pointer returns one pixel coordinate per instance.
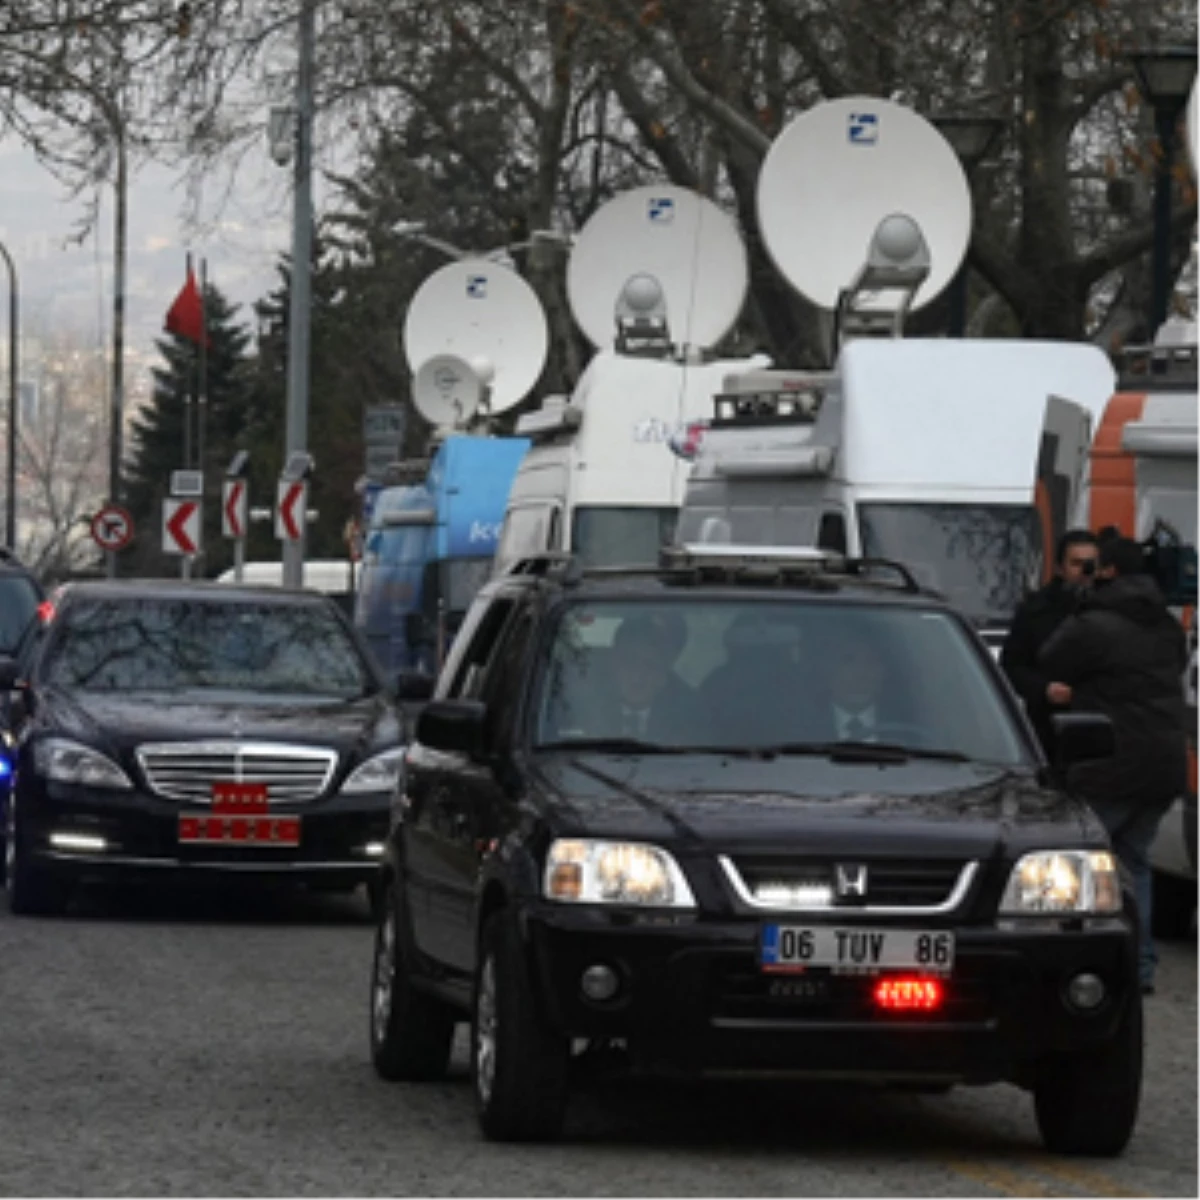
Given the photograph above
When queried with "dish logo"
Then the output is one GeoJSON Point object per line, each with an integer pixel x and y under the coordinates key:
{"type": "Point", "coordinates": [660, 210]}
{"type": "Point", "coordinates": [863, 129]}
{"type": "Point", "coordinates": [477, 287]}
{"type": "Point", "coordinates": [483, 531]}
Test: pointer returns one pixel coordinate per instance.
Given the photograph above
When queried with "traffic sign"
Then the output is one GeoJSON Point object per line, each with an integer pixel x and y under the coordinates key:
{"type": "Point", "coordinates": [291, 505]}
{"type": "Point", "coordinates": [181, 526]}
{"type": "Point", "coordinates": [187, 483]}
{"type": "Point", "coordinates": [235, 508]}
{"type": "Point", "coordinates": [112, 528]}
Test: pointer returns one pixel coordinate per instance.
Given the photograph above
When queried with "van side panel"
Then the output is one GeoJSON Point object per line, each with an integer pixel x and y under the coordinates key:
{"type": "Point", "coordinates": [1113, 498]}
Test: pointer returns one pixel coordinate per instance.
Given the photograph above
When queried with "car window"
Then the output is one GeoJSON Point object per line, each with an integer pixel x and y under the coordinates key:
{"type": "Point", "coordinates": [471, 669]}
{"type": "Point", "coordinates": [206, 645]}
{"type": "Point", "coordinates": [18, 610]}
{"type": "Point", "coordinates": [760, 672]}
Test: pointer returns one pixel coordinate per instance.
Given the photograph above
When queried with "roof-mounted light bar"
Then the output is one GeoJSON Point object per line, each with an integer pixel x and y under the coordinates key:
{"type": "Point", "coordinates": [732, 555]}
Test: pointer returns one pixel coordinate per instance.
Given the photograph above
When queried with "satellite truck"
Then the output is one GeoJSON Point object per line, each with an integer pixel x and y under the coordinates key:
{"type": "Point", "coordinates": [963, 458]}
{"type": "Point", "coordinates": [475, 338]}
{"type": "Point", "coordinates": [656, 278]}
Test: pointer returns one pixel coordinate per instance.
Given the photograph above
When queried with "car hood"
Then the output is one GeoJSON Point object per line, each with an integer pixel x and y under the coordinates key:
{"type": "Point", "coordinates": [119, 724]}
{"type": "Point", "coordinates": [728, 804]}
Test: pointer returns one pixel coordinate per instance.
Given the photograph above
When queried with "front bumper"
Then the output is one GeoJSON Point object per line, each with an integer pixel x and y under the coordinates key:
{"type": "Point", "coordinates": [693, 998]}
{"type": "Point", "coordinates": [341, 837]}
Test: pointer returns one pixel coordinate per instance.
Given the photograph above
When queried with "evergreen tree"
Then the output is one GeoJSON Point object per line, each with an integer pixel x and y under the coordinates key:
{"type": "Point", "coordinates": [167, 435]}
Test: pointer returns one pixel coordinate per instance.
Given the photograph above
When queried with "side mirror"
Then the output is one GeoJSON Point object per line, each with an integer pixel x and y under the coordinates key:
{"type": "Point", "coordinates": [1082, 737]}
{"type": "Point", "coordinates": [414, 685]}
{"type": "Point", "coordinates": [452, 725]}
{"type": "Point", "coordinates": [10, 673]}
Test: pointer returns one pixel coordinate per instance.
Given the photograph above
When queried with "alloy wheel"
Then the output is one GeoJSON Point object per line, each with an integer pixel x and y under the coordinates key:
{"type": "Point", "coordinates": [385, 971]}
{"type": "Point", "coordinates": [485, 1030]}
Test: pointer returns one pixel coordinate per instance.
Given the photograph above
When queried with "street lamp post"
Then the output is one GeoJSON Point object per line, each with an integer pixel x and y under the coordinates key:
{"type": "Point", "coordinates": [970, 138]}
{"type": "Point", "coordinates": [14, 371]}
{"type": "Point", "coordinates": [1165, 77]}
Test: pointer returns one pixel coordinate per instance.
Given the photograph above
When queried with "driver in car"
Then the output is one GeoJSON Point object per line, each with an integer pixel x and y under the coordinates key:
{"type": "Point", "coordinates": [861, 705]}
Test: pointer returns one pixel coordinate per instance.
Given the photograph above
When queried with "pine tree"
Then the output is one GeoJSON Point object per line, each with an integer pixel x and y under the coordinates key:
{"type": "Point", "coordinates": [166, 437]}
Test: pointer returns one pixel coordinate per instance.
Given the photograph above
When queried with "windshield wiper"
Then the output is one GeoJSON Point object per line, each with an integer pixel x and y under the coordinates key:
{"type": "Point", "coordinates": [848, 751]}
{"type": "Point", "coordinates": [615, 745]}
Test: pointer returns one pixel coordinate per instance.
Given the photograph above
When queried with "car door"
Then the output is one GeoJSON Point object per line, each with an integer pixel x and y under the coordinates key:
{"type": "Point", "coordinates": [441, 790]}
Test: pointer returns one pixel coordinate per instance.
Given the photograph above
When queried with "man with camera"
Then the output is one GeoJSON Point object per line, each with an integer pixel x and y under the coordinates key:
{"type": "Point", "coordinates": [1037, 620]}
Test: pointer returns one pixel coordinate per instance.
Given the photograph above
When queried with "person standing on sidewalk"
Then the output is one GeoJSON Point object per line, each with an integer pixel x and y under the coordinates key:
{"type": "Point", "coordinates": [1036, 620]}
{"type": "Point", "coordinates": [1123, 655]}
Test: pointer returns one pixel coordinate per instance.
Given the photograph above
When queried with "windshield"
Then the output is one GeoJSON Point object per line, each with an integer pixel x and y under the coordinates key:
{"type": "Point", "coordinates": [164, 644]}
{"type": "Point", "coordinates": [622, 537]}
{"type": "Point", "coordinates": [982, 557]}
{"type": "Point", "coordinates": [760, 673]}
{"type": "Point", "coordinates": [18, 609]}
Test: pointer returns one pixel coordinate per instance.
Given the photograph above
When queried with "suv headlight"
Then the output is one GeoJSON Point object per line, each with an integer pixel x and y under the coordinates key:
{"type": "Point", "coordinates": [583, 871]}
{"type": "Point", "coordinates": [380, 773]}
{"type": "Point", "coordinates": [65, 761]}
{"type": "Point", "coordinates": [1063, 881]}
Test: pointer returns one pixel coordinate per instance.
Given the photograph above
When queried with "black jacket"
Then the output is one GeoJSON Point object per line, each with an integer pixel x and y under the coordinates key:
{"type": "Point", "coordinates": [1034, 623]}
{"type": "Point", "coordinates": [1124, 655]}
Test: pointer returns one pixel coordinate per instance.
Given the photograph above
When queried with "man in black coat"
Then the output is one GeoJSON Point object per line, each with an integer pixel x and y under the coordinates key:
{"type": "Point", "coordinates": [1036, 620]}
{"type": "Point", "coordinates": [1124, 655]}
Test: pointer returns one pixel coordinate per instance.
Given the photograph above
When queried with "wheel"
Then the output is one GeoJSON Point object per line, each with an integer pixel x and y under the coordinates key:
{"type": "Point", "coordinates": [1087, 1103]}
{"type": "Point", "coordinates": [1174, 906]}
{"type": "Point", "coordinates": [411, 1032]}
{"type": "Point", "coordinates": [518, 1067]}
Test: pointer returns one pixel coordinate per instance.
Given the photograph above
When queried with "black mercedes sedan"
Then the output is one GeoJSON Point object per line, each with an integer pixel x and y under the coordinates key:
{"type": "Point", "coordinates": [749, 815]}
{"type": "Point", "coordinates": [181, 728]}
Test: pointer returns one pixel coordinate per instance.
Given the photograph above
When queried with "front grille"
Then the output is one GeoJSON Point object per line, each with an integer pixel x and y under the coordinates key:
{"type": "Point", "coordinates": [891, 883]}
{"type": "Point", "coordinates": [186, 771]}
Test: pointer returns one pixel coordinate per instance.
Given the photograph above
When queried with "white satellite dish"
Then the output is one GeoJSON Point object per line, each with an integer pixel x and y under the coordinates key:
{"type": "Point", "coordinates": [447, 391]}
{"type": "Point", "coordinates": [836, 172]}
{"type": "Point", "coordinates": [1192, 128]}
{"type": "Point", "coordinates": [475, 309]}
{"type": "Point", "coordinates": [684, 243]}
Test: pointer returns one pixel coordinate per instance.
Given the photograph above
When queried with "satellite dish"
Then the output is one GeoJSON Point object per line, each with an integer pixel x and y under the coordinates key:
{"type": "Point", "coordinates": [476, 309]}
{"type": "Point", "coordinates": [447, 391]}
{"type": "Point", "coordinates": [1192, 127]}
{"type": "Point", "coordinates": [668, 244]}
{"type": "Point", "coordinates": [836, 172]}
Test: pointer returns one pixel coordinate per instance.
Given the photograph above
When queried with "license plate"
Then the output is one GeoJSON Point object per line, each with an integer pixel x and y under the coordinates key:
{"type": "Point", "coordinates": [240, 816]}
{"type": "Point", "coordinates": [797, 947]}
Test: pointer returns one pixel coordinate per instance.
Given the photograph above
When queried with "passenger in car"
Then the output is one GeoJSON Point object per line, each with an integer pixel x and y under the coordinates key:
{"type": "Point", "coordinates": [862, 699]}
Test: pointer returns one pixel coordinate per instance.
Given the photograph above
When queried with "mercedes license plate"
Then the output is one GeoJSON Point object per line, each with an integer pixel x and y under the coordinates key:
{"type": "Point", "coordinates": [797, 947]}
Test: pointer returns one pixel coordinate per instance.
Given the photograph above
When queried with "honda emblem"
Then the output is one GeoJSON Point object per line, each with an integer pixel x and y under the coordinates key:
{"type": "Point", "coordinates": [850, 881]}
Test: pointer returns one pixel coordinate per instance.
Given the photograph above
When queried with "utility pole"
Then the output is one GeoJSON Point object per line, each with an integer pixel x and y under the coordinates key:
{"type": "Point", "coordinates": [121, 223]}
{"type": "Point", "coordinates": [298, 332]}
{"type": "Point", "coordinates": [14, 416]}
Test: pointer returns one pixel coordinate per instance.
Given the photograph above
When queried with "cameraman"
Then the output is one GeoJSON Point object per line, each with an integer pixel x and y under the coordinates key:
{"type": "Point", "coordinates": [1035, 622]}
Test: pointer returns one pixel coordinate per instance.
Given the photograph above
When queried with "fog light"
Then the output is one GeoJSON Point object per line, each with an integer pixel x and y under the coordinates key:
{"type": "Point", "coordinates": [1086, 991]}
{"type": "Point", "coordinates": [599, 983]}
{"type": "Point", "coordinates": [77, 841]}
{"type": "Point", "coordinates": [373, 849]}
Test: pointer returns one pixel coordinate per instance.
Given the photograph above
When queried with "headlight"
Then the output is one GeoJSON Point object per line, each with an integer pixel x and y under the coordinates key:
{"type": "Point", "coordinates": [582, 871]}
{"type": "Point", "coordinates": [68, 762]}
{"type": "Point", "coordinates": [1063, 881]}
{"type": "Point", "coordinates": [378, 774]}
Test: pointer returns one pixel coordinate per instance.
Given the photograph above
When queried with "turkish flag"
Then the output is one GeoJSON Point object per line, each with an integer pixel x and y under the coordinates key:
{"type": "Point", "coordinates": [185, 317]}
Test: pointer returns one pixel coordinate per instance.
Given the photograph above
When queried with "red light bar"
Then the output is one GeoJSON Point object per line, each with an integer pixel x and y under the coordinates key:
{"type": "Point", "coordinates": [909, 994]}
{"type": "Point", "coordinates": [45, 612]}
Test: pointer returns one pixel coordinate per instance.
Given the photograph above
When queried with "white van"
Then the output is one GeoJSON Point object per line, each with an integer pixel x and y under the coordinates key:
{"type": "Point", "coordinates": [600, 479]}
{"type": "Point", "coordinates": [960, 458]}
{"type": "Point", "coordinates": [334, 576]}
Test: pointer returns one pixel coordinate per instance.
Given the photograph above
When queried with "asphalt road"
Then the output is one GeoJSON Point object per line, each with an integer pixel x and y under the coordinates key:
{"type": "Point", "coordinates": [217, 1045]}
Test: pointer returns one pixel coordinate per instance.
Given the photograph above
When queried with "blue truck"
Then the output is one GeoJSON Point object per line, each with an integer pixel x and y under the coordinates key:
{"type": "Point", "coordinates": [428, 549]}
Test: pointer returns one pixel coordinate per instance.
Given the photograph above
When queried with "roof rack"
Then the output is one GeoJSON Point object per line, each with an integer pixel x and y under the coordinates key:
{"type": "Point", "coordinates": [1162, 365]}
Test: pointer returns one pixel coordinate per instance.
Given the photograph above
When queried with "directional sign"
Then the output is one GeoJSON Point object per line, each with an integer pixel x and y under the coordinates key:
{"type": "Point", "coordinates": [235, 509]}
{"type": "Point", "coordinates": [187, 483]}
{"type": "Point", "coordinates": [291, 505]}
{"type": "Point", "coordinates": [112, 528]}
{"type": "Point", "coordinates": [181, 526]}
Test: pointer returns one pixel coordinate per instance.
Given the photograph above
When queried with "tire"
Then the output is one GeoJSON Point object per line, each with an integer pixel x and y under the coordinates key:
{"type": "Point", "coordinates": [411, 1032]}
{"type": "Point", "coordinates": [1087, 1103]}
{"type": "Point", "coordinates": [1174, 906]}
{"type": "Point", "coordinates": [518, 1067]}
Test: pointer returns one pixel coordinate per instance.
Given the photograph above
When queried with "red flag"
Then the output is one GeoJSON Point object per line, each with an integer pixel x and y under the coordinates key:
{"type": "Point", "coordinates": [185, 317]}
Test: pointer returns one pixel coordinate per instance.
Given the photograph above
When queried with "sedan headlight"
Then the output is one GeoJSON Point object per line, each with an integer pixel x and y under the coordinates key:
{"type": "Point", "coordinates": [582, 871]}
{"type": "Point", "coordinates": [1063, 881]}
{"type": "Point", "coordinates": [65, 761]}
{"type": "Point", "coordinates": [379, 773]}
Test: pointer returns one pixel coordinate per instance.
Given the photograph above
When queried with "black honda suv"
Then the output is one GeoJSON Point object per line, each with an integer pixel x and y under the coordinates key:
{"type": "Point", "coordinates": [749, 812]}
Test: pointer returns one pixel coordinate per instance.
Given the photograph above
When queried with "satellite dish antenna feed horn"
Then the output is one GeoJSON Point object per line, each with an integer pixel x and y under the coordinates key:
{"type": "Point", "coordinates": [898, 263]}
{"type": "Point", "coordinates": [659, 238]}
{"type": "Point", "coordinates": [641, 318]}
{"type": "Point", "coordinates": [486, 319]}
